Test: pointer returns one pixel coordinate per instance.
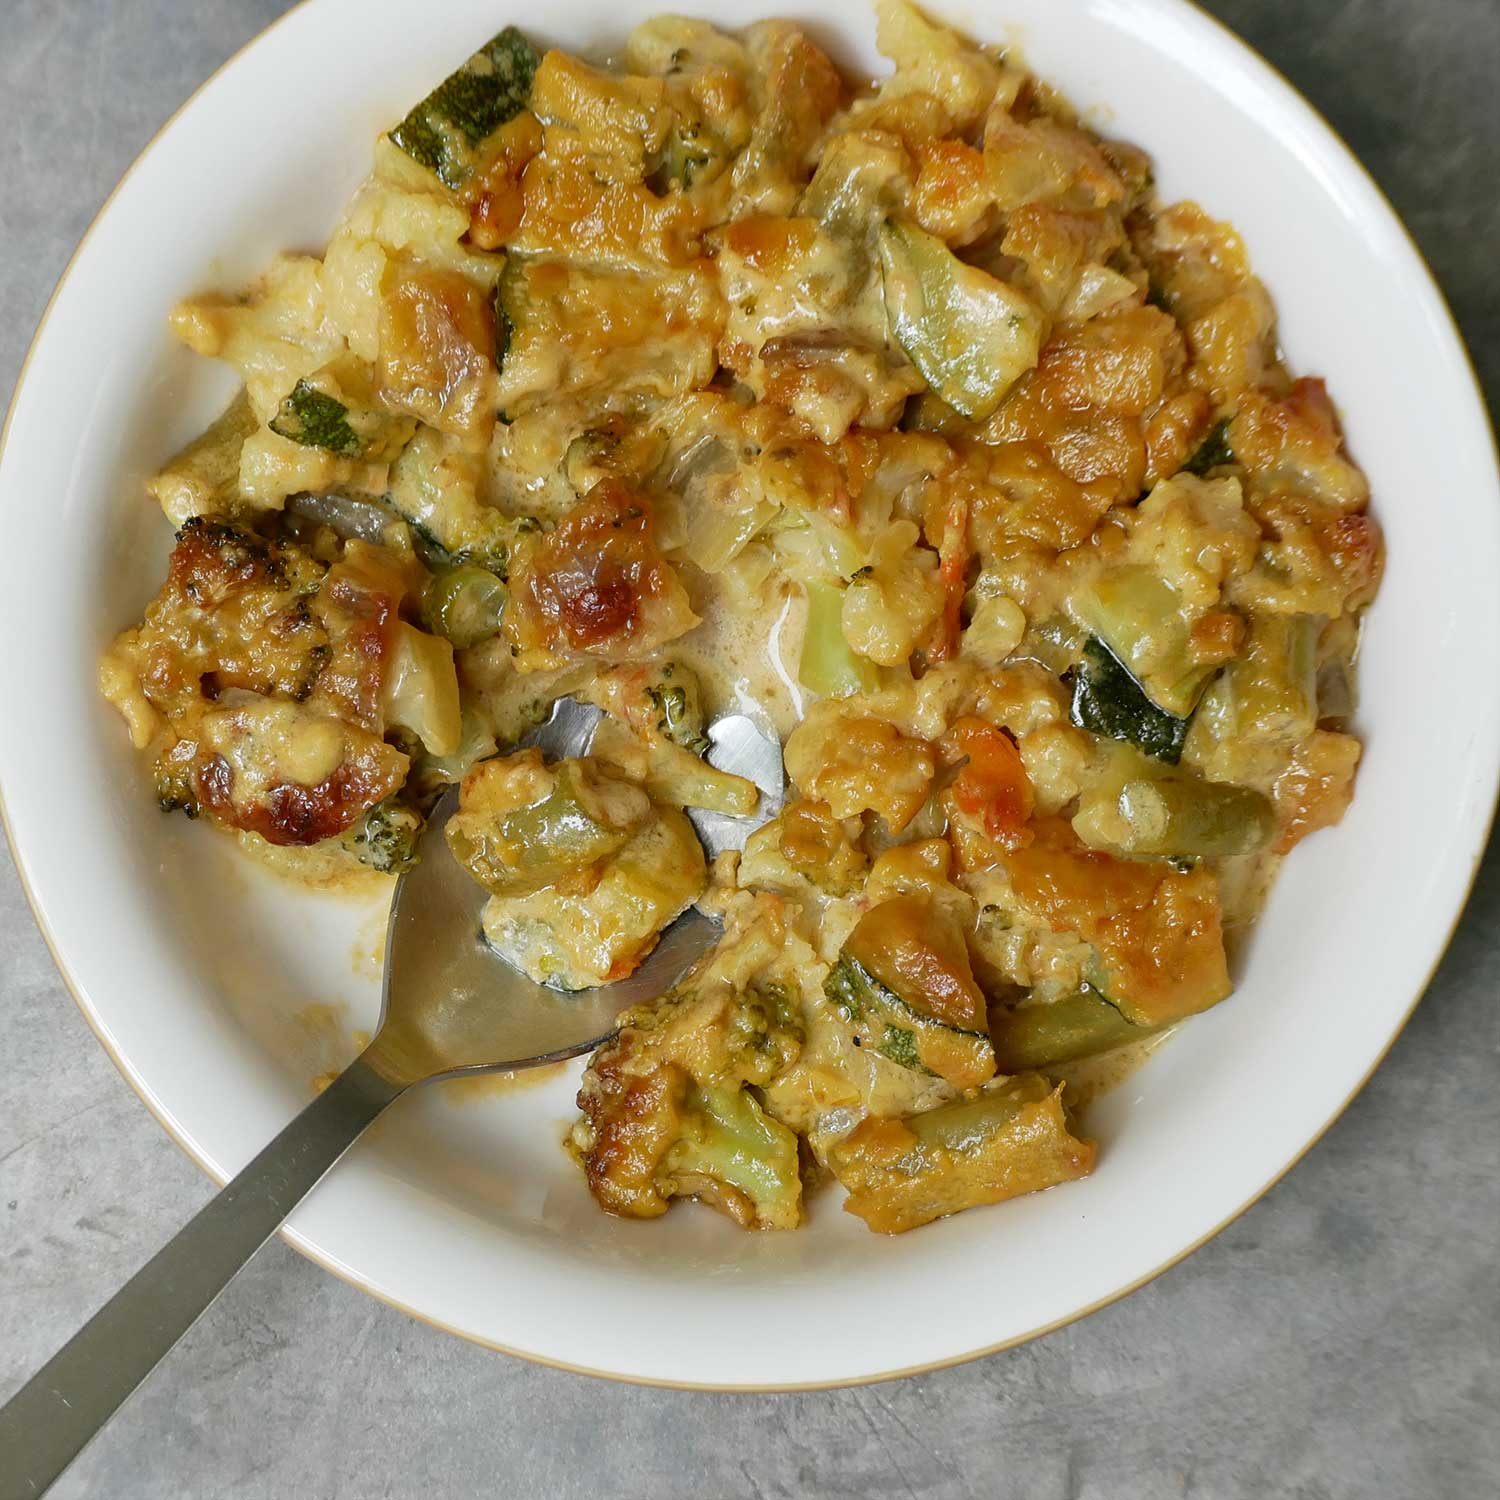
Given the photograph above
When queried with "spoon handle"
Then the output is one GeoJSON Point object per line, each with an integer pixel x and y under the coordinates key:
{"type": "Point", "coordinates": [47, 1422]}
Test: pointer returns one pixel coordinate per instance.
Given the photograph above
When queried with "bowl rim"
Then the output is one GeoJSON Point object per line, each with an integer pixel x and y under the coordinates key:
{"type": "Point", "coordinates": [1489, 424]}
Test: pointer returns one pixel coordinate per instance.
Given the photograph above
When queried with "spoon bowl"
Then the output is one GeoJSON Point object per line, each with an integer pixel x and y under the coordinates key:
{"type": "Point", "coordinates": [450, 1006]}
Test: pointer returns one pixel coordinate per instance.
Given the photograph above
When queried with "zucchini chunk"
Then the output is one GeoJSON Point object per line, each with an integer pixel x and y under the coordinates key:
{"type": "Point", "coordinates": [1043, 1035]}
{"type": "Point", "coordinates": [445, 130]}
{"type": "Point", "coordinates": [522, 825]}
{"type": "Point", "coordinates": [1014, 1138]}
{"type": "Point", "coordinates": [572, 938]}
{"type": "Point", "coordinates": [1141, 618]}
{"type": "Point", "coordinates": [204, 478]}
{"type": "Point", "coordinates": [903, 979]}
{"type": "Point", "coordinates": [335, 408]}
{"type": "Point", "coordinates": [971, 336]}
{"type": "Point", "coordinates": [1108, 701]}
{"type": "Point", "coordinates": [1180, 817]}
{"type": "Point", "coordinates": [1272, 686]}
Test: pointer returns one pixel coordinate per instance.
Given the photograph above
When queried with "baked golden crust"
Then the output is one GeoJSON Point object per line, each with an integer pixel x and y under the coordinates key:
{"type": "Point", "coordinates": [901, 416]}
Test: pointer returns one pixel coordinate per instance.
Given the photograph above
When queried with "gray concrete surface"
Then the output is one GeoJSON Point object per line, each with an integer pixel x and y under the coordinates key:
{"type": "Point", "coordinates": [1339, 1341]}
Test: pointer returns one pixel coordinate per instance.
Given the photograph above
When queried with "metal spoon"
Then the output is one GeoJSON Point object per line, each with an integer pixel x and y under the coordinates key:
{"type": "Point", "coordinates": [450, 1007]}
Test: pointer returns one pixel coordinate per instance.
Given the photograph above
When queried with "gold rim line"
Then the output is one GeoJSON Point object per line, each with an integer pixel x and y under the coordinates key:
{"type": "Point", "coordinates": [305, 1248]}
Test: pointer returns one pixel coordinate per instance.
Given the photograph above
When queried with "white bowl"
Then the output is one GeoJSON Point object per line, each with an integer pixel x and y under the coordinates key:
{"type": "Point", "coordinates": [197, 972]}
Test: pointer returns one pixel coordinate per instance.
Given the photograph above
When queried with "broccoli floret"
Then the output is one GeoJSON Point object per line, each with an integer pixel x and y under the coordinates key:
{"type": "Point", "coordinates": [386, 837]}
{"type": "Point", "coordinates": [679, 709]}
{"type": "Point", "coordinates": [668, 1108]}
{"type": "Point", "coordinates": [731, 1154]}
{"type": "Point", "coordinates": [661, 698]}
{"type": "Point", "coordinates": [676, 705]}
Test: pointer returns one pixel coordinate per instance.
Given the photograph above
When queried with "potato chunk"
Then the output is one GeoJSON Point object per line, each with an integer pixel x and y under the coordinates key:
{"type": "Point", "coordinates": [1013, 1139]}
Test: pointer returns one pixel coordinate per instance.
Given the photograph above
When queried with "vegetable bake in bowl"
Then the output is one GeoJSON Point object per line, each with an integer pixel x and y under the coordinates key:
{"type": "Point", "coordinates": [920, 422]}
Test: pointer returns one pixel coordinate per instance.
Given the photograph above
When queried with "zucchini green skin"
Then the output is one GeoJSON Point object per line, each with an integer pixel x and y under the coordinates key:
{"type": "Point", "coordinates": [336, 409]}
{"type": "Point", "coordinates": [444, 130]}
{"type": "Point", "coordinates": [316, 420]}
{"type": "Point", "coordinates": [1213, 451]}
{"type": "Point", "coordinates": [505, 325]}
{"type": "Point", "coordinates": [1043, 1036]}
{"type": "Point", "coordinates": [511, 306]}
{"type": "Point", "coordinates": [1108, 701]}
{"type": "Point", "coordinates": [1139, 618]}
{"type": "Point", "coordinates": [903, 1034]}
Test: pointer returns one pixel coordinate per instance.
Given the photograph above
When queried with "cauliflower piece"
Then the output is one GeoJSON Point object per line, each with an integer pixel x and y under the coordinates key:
{"type": "Point", "coordinates": [1316, 788]}
{"type": "Point", "coordinates": [263, 680]}
{"type": "Point", "coordinates": [890, 605]}
{"type": "Point", "coordinates": [1045, 160]}
{"type": "Point", "coordinates": [930, 59]}
{"type": "Point", "coordinates": [290, 772]}
{"type": "Point", "coordinates": [994, 631]}
{"type": "Point", "coordinates": [1196, 535]}
{"type": "Point", "coordinates": [596, 586]}
{"type": "Point", "coordinates": [1058, 759]}
{"type": "Point", "coordinates": [1022, 698]}
{"type": "Point", "coordinates": [800, 90]}
{"type": "Point", "coordinates": [950, 197]}
{"type": "Point", "coordinates": [279, 334]}
{"type": "Point", "coordinates": [1294, 443]}
{"type": "Point", "coordinates": [804, 849]}
{"type": "Point", "coordinates": [858, 764]}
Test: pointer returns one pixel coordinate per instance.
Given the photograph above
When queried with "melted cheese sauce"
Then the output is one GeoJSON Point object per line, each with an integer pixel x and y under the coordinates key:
{"type": "Point", "coordinates": [747, 659]}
